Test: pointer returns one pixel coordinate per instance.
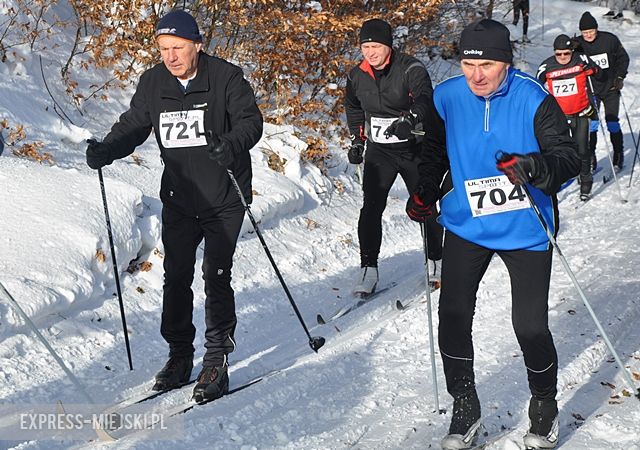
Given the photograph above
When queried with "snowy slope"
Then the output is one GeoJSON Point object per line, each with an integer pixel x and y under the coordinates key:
{"type": "Point", "coordinates": [370, 386]}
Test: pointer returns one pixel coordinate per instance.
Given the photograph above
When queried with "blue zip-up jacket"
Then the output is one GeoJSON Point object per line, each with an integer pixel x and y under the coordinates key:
{"type": "Point", "coordinates": [465, 132]}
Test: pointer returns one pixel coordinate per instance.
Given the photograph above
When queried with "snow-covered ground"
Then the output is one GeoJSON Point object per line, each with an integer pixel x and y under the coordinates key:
{"type": "Point", "coordinates": [370, 386]}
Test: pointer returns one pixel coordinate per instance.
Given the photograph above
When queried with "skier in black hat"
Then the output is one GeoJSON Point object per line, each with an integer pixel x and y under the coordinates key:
{"type": "Point", "coordinates": [606, 50]}
{"type": "Point", "coordinates": [495, 111]}
{"type": "Point", "coordinates": [565, 76]}
{"type": "Point", "coordinates": [386, 98]}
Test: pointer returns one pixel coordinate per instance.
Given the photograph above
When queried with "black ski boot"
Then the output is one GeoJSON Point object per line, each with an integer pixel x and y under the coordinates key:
{"type": "Point", "coordinates": [543, 416]}
{"type": "Point", "coordinates": [213, 383]}
{"type": "Point", "coordinates": [175, 373]}
{"type": "Point", "coordinates": [586, 183]}
{"type": "Point", "coordinates": [618, 149]}
{"type": "Point", "coordinates": [465, 422]}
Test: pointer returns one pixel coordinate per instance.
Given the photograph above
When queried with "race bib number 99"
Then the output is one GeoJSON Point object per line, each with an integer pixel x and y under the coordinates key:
{"type": "Point", "coordinates": [182, 129]}
{"type": "Point", "coordinates": [601, 59]}
{"type": "Point", "coordinates": [494, 195]}
{"type": "Point", "coordinates": [378, 126]}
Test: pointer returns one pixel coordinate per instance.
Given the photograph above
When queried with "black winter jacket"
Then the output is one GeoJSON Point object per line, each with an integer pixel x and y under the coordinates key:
{"type": "Point", "coordinates": [608, 53]}
{"type": "Point", "coordinates": [192, 183]}
{"type": "Point", "coordinates": [403, 85]}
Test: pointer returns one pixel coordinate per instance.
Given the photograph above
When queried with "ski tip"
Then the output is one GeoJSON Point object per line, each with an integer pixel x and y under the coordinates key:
{"type": "Point", "coordinates": [320, 320]}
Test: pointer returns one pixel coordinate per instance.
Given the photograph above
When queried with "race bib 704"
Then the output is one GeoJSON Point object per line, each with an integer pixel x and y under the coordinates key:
{"type": "Point", "coordinates": [494, 195]}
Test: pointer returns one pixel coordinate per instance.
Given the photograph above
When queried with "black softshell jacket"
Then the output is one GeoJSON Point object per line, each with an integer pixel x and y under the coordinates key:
{"type": "Point", "coordinates": [405, 85]}
{"type": "Point", "coordinates": [192, 183]}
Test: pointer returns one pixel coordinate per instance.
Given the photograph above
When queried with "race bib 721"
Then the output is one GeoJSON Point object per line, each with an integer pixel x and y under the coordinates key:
{"type": "Point", "coordinates": [182, 129]}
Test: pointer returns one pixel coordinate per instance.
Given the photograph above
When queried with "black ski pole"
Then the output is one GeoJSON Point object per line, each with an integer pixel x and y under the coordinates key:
{"type": "Point", "coordinates": [115, 267]}
{"type": "Point", "coordinates": [635, 142]}
{"type": "Point", "coordinates": [625, 374]}
{"type": "Point", "coordinates": [314, 342]}
{"type": "Point", "coordinates": [434, 374]}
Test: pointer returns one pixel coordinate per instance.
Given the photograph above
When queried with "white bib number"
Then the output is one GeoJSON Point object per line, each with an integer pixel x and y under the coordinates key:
{"type": "Point", "coordinates": [602, 60]}
{"type": "Point", "coordinates": [494, 195]}
{"type": "Point", "coordinates": [182, 129]}
{"type": "Point", "coordinates": [378, 126]}
{"type": "Point", "coordinates": [564, 88]}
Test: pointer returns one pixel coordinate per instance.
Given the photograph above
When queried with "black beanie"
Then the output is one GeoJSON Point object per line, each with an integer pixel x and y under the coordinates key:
{"type": "Point", "coordinates": [588, 22]}
{"type": "Point", "coordinates": [562, 42]}
{"type": "Point", "coordinates": [179, 23]}
{"type": "Point", "coordinates": [486, 39]}
{"type": "Point", "coordinates": [376, 30]}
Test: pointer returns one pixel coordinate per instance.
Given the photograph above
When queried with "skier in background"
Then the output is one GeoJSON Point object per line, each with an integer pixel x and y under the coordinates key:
{"type": "Point", "coordinates": [615, 5]}
{"type": "Point", "coordinates": [494, 108]}
{"type": "Point", "coordinates": [565, 76]}
{"type": "Point", "coordinates": [386, 98]}
{"type": "Point", "coordinates": [205, 119]}
{"type": "Point", "coordinates": [606, 50]}
{"type": "Point", "coordinates": [522, 6]}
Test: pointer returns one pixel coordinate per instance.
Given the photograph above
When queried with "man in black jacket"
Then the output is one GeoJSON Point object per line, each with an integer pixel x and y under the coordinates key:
{"type": "Point", "coordinates": [386, 98]}
{"type": "Point", "coordinates": [205, 119]}
{"type": "Point", "coordinates": [607, 52]}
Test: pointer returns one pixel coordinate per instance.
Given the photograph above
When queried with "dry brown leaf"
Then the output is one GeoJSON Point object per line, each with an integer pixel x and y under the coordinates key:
{"type": "Point", "coordinates": [100, 256]}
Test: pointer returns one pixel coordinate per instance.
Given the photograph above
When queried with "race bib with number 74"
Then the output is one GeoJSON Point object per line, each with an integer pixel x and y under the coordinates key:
{"type": "Point", "coordinates": [494, 195]}
{"type": "Point", "coordinates": [378, 127]}
{"type": "Point", "coordinates": [182, 129]}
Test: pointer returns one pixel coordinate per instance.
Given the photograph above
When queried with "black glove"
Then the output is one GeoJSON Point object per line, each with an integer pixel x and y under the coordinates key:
{"type": "Point", "coordinates": [356, 151]}
{"type": "Point", "coordinates": [587, 63]}
{"type": "Point", "coordinates": [401, 127]}
{"type": "Point", "coordinates": [520, 169]}
{"type": "Point", "coordinates": [421, 205]}
{"type": "Point", "coordinates": [219, 150]}
{"type": "Point", "coordinates": [98, 154]}
{"type": "Point", "coordinates": [618, 84]}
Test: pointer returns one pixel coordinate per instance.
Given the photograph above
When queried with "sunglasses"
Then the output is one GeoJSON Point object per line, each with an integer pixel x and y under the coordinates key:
{"type": "Point", "coordinates": [563, 53]}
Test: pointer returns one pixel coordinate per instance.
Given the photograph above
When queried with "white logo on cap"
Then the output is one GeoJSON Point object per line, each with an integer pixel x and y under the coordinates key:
{"type": "Point", "coordinates": [473, 52]}
{"type": "Point", "coordinates": [166, 31]}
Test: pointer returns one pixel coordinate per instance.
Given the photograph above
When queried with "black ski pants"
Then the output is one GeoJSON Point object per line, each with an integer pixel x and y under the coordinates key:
{"type": "Point", "coordinates": [463, 266]}
{"type": "Point", "coordinates": [181, 236]}
{"type": "Point", "coordinates": [579, 127]}
{"type": "Point", "coordinates": [611, 102]}
{"type": "Point", "coordinates": [381, 167]}
{"type": "Point", "coordinates": [521, 5]}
